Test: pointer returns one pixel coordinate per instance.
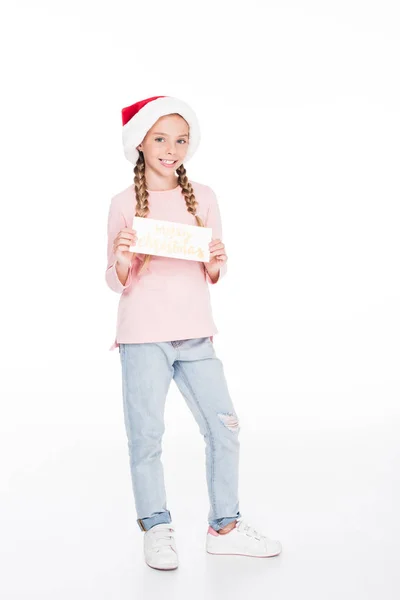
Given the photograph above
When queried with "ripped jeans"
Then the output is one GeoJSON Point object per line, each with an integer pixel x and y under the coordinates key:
{"type": "Point", "coordinates": [147, 371]}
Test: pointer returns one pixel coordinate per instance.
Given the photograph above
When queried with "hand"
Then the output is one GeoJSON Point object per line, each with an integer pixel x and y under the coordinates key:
{"type": "Point", "coordinates": [126, 237]}
{"type": "Point", "coordinates": [217, 257]}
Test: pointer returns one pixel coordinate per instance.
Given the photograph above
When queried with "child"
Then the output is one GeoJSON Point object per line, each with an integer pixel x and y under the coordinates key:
{"type": "Point", "coordinates": [165, 331]}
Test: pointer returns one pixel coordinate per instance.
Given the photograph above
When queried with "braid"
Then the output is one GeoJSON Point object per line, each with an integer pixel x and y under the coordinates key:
{"type": "Point", "coordinates": [187, 191]}
{"type": "Point", "coordinates": [142, 196]}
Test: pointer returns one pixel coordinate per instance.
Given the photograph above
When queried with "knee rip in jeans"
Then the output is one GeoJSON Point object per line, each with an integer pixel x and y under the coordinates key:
{"type": "Point", "coordinates": [230, 421]}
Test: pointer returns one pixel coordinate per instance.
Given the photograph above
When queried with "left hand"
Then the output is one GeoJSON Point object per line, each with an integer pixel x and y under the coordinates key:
{"type": "Point", "coordinates": [217, 256]}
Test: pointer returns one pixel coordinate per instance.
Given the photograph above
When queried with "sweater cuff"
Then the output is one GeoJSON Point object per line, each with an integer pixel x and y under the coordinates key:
{"type": "Point", "coordinates": [222, 272]}
{"type": "Point", "coordinates": [114, 281]}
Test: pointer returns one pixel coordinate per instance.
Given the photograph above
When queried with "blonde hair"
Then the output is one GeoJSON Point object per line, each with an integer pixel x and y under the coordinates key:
{"type": "Point", "coordinates": [142, 196]}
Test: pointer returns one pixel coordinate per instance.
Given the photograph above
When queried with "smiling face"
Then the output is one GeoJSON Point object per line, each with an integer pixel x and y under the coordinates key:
{"type": "Point", "coordinates": [165, 145]}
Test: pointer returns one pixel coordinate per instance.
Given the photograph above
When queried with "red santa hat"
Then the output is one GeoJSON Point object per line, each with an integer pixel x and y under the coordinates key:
{"type": "Point", "coordinates": [138, 118]}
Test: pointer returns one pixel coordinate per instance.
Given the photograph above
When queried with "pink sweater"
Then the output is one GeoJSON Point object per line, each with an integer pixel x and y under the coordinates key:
{"type": "Point", "coordinates": [171, 299]}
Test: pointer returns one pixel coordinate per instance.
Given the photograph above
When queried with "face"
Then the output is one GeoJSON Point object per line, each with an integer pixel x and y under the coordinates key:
{"type": "Point", "coordinates": [168, 141]}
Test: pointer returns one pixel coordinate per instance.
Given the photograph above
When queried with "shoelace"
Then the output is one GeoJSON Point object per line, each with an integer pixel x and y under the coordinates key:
{"type": "Point", "coordinates": [163, 539]}
{"type": "Point", "coordinates": [249, 530]}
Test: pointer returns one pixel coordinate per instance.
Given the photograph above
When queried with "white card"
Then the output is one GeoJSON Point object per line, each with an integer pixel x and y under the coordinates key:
{"type": "Point", "coordinates": [174, 240]}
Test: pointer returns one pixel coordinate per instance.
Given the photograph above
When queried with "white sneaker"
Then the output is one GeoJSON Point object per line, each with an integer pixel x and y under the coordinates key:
{"type": "Point", "coordinates": [243, 540]}
{"type": "Point", "coordinates": [160, 548]}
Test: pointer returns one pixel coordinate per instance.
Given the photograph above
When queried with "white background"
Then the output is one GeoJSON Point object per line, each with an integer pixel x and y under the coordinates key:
{"type": "Point", "coordinates": [299, 110]}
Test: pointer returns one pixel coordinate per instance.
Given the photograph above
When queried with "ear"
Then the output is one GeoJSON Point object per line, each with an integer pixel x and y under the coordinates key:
{"type": "Point", "coordinates": [139, 147]}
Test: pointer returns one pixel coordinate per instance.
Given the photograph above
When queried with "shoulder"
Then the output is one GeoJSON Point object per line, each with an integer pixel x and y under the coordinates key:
{"type": "Point", "coordinates": [204, 193]}
{"type": "Point", "coordinates": [123, 201]}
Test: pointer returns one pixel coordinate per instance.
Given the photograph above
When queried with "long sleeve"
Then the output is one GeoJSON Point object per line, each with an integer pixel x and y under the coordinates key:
{"type": "Point", "coordinates": [214, 221]}
{"type": "Point", "coordinates": [116, 222]}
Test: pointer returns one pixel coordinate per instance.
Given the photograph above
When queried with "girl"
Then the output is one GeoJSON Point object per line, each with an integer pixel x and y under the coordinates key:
{"type": "Point", "coordinates": [165, 331]}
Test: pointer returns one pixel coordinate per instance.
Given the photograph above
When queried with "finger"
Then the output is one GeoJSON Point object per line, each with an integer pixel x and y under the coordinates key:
{"type": "Point", "coordinates": [216, 254]}
{"type": "Point", "coordinates": [127, 243]}
{"type": "Point", "coordinates": [126, 236]}
{"type": "Point", "coordinates": [124, 241]}
{"type": "Point", "coordinates": [217, 247]}
{"type": "Point", "coordinates": [219, 259]}
{"type": "Point", "coordinates": [122, 248]}
{"type": "Point", "coordinates": [126, 230]}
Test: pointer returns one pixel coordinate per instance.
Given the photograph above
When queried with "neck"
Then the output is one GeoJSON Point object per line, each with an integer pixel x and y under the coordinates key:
{"type": "Point", "coordinates": [157, 183]}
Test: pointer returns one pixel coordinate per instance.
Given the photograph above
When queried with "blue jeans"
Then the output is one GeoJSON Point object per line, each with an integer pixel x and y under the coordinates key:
{"type": "Point", "coordinates": [147, 371]}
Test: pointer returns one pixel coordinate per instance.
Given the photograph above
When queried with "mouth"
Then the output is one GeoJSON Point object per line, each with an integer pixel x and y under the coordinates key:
{"type": "Point", "coordinates": [167, 163]}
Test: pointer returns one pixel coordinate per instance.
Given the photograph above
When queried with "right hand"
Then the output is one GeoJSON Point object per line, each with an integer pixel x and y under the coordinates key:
{"type": "Point", "coordinates": [127, 237]}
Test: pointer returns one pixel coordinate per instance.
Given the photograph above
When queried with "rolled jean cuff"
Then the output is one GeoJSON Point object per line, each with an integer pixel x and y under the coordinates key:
{"type": "Point", "coordinates": [218, 524]}
{"type": "Point", "coordinates": [155, 519]}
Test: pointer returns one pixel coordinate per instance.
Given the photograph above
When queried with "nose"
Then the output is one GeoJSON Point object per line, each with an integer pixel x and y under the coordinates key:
{"type": "Point", "coordinates": [171, 148]}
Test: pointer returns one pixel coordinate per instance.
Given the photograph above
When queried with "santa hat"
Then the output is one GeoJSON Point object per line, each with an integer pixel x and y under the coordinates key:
{"type": "Point", "coordinates": [138, 118]}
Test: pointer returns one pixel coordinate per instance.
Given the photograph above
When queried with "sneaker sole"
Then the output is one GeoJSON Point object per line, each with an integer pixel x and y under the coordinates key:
{"type": "Point", "coordinates": [162, 568]}
{"type": "Point", "coordinates": [239, 554]}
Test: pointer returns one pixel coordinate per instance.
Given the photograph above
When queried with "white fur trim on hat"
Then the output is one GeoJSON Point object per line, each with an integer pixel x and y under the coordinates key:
{"type": "Point", "coordinates": [136, 128]}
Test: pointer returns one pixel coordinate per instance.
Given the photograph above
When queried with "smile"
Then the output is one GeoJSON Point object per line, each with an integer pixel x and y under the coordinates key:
{"type": "Point", "coordinates": [167, 163]}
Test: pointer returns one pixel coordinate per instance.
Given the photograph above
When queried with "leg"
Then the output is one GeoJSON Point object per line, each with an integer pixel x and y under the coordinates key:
{"type": "Point", "coordinates": [146, 377]}
{"type": "Point", "coordinates": [200, 377]}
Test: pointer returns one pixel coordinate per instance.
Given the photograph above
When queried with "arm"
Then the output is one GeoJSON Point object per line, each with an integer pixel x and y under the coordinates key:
{"type": "Point", "coordinates": [214, 221]}
{"type": "Point", "coordinates": [116, 222]}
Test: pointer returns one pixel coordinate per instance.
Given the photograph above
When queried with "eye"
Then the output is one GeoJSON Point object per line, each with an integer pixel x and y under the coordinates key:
{"type": "Point", "coordinates": [161, 138]}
